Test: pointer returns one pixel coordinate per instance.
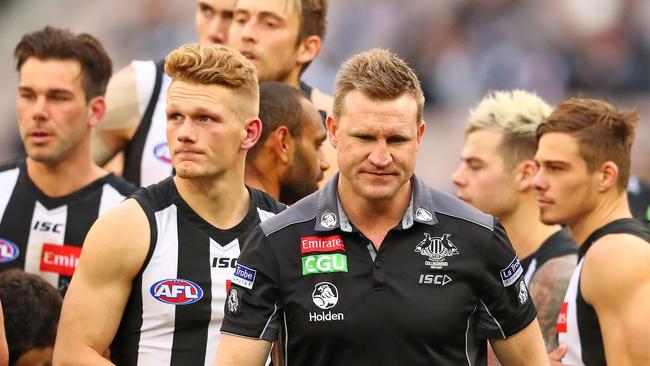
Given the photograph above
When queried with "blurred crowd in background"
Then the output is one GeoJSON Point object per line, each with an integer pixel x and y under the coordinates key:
{"type": "Point", "coordinates": [460, 48]}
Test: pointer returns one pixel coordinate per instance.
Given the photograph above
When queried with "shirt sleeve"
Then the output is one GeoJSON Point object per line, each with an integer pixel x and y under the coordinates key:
{"type": "Point", "coordinates": [252, 308]}
{"type": "Point", "coordinates": [505, 306]}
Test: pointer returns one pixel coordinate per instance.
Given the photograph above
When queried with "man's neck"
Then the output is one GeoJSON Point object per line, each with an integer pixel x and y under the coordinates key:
{"type": "Point", "coordinates": [221, 201]}
{"type": "Point", "coordinates": [256, 178]}
{"type": "Point", "coordinates": [526, 232]}
{"type": "Point", "coordinates": [66, 177]}
{"type": "Point", "coordinates": [606, 211]}
{"type": "Point", "coordinates": [374, 218]}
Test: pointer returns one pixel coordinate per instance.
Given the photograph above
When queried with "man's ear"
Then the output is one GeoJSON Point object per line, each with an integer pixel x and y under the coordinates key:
{"type": "Point", "coordinates": [332, 128]}
{"type": "Point", "coordinates": [252, 133]}
{"type": "Point", "coordinates": [308, 49]}
{"type": "Point", "coordinates": [421, 128]}
{"type": "Point", "coordinates": [608, 176]}
{"type": "Point", "coordinates": [97, 110]}
{"type": "Point", "coordinates": [282, 143]}
{"type": "Point", "coordinates": [525, 171]}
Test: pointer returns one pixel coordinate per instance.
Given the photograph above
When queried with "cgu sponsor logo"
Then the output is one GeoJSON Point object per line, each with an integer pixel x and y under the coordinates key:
{"type": "Point", "coordinates": [309, 244]}
{"type": "Point", "coordinates": [161, 152]}
{"type": "Point", "coordinates": [430, 279]}
{"type": "Point", "coordinates": [8, 251]}
{"type": "Point", "coordinates": [61, 259]}
{"type": "Point", "coordinates": [324, 263]}
{"type": "Point", "coordinates": [176, 291]}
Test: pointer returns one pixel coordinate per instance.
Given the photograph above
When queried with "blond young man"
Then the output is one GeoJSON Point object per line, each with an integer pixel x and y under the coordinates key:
{"type": "Point", "coordinates": [495, 175]}
{"type": "Point", "coordinates": [156, 268]}
{"type": "Point", "coordinates": [376, 268]}
{"type": "Point", "coordinates": [584, 166]}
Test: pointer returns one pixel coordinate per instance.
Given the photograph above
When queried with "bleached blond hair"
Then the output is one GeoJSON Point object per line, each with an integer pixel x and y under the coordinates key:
{"type": "Point", "coordinates": [517, 114]}
{"type": "Point", "coordinates": [217, 65]}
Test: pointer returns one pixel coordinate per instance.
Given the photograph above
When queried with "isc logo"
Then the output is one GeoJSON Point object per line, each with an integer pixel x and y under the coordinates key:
{"type": "Point", "coordinates": [8, 251]}
{"type": "Point", "coordinates": [48, 226]}
{"type": "Point", "coordinates": [176, 291]}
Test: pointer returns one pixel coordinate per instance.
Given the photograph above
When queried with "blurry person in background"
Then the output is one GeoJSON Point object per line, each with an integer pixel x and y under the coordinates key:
{"type": "Point", "coordinates": [31, 314]}
{"type": "Point", "coordinates": [134, 127]}
{"type": "Point", "coordinates": [287, 162]}
{"type": "Point", "coordinates": [50, 199]}
{"type": "Point", "coordinates": [495, 175]}
{"type": "Point", "coordinates": [584, 159]}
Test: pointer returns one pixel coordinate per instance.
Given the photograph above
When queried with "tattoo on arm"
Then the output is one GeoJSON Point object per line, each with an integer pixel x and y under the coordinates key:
{"type": "Point", "coordinates": [547, 289]}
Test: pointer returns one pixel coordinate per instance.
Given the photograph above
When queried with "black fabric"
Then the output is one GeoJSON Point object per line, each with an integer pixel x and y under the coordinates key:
{"type": "Point", "coordinates": [557, 245]}
{"type": "Point", "coordinates": [591, 339]}
{"type": "Point", "coordinates": [135, 147]}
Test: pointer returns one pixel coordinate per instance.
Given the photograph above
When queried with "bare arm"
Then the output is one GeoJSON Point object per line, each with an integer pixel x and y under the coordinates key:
{"type": "Point", "coordinates": [239, 351]}
{"type": "Point", "coordinates": [616, 282]}
{"type": "Point", "coordinates": [547, 289]}
{"type": "Point", "coordinates": [122, 117]}
{"type": "Point", "coordinates": [4, 349]}
{"type": "Point", "coordinates": [112, 255]}
{"type": "Point", "coordinates": [524, 348]}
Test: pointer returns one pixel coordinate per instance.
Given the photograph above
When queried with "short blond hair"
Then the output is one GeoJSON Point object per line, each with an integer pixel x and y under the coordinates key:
{"type": "Point", "coordinates": [517, 114]}
{"type": "Point", "coordinates": [378, 74]}
{"type": "Point", "coordinates": [217, 65]}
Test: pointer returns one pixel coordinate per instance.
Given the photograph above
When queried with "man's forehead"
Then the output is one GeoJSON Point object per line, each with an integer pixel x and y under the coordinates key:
{"type": "Point", "coordinates": [283, 8]}
{"type": "Point", "coordinates": [51, 73]}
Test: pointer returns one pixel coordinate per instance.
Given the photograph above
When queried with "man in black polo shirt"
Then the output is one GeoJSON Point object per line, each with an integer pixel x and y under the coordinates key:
{"type": "Point", "coordinates": [376, 268]}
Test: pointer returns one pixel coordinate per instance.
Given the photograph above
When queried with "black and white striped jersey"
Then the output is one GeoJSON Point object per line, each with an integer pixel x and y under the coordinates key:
{"type": "Point", "coordinates": [147, 159]}
{"type": "Point", "coordinates": [557, 245]}
{"type": "Point", "coordinates": [577, 324]}
{"type": "Point", "coordinates": [175, 308]}
{"type": "Point", "coordinates": [43, 234]}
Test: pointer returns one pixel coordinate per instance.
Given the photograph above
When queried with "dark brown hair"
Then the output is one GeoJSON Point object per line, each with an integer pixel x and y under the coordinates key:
{"type": "Point", "coordinates": [603, 132]}
{"type": "Point", "coordinates": [313, 22]}
{"type": "Point", "coordinates": [60, 44]}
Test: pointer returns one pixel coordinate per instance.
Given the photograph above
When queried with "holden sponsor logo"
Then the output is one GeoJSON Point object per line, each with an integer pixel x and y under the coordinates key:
{"type": "Point", "coordinates": [244, 276]}
{"type": "Point", "coordinates": [8, 251]}
{"type": "Point", "coordinates": [328, 220]}
{"type": "Point", "coordinates": [324, 263]}
{"type": "Point", "coordinates": [310, 244]}
{"type": "Point", "coordinates": [176, 291]}
{"type": "Point", "coordinates": [437, 250]}
{"type": "Point", "coordinates": [234, 303]}
{"type": "Point", "coordinates": [61, 259]}
{"type": "Point", "coordinates": [161, 152]}
{"type": "Point", "coordinates": [423, 214]}
{"type": "Point", "coordinates": [431, 279]}
{"type": "Point", "coordinates": [325, 296]}
{"type": "Point", "coordinates": [510, 274]}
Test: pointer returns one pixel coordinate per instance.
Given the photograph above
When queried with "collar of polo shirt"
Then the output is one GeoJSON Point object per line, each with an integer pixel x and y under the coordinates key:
{"type": "Point", "coordinates": [420, 208]}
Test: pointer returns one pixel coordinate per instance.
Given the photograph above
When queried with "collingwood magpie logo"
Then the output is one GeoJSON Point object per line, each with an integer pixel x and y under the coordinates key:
{"type": "Point", "coordinates": [437, 249]}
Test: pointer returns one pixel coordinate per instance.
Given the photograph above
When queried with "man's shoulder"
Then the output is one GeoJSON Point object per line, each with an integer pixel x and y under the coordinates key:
{"type": "Point", "coordinates": [265, 202]}
{"type": "Point", "coordinates": [454, 208]}
{"type": "Point", "coordinates": [12, 165]}
{"type": "Point", "coordinates": [301, 211]}
{"type": "Point", "coordinates": [121, 185]}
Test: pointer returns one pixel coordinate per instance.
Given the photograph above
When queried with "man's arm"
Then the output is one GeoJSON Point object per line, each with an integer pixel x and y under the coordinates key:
{"type": "Point", "coordinates": [615, 280]}
{"type": "Point", "coordinates": [239, 351]}
{"type": "Point", "coordinates": [547, 288]}
{"type": "Point", "coordinates": [523, 348]}
{"type": "Point", "coordinates": [113, 253]}
{"type": "Point", "coordinates": [122, 117]}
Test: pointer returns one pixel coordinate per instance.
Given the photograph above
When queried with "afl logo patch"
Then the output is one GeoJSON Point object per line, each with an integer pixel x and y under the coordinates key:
{"type": "Point", "coordinates": [161, 152]}
{"type": "Point", "coordinates": [8, 251]}
{"type": "Point", "coordinates": [176, 291]}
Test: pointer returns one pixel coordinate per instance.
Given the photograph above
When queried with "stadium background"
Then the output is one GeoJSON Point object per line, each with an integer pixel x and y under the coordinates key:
{"type": "Point", "coordinates": [460, 49]}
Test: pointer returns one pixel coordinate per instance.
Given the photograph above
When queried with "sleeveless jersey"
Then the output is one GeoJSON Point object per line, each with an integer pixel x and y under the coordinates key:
{"type": "Point", "coordinates": [557, 245]}
{"type": "Point", "coordinates": [577, 324]}
{"type": "Point", "coordinates": [175, 308]}
{"type": "Point", "coordinates": [43, 234]}
{"type": "Point", "coordinates": [147, 159]}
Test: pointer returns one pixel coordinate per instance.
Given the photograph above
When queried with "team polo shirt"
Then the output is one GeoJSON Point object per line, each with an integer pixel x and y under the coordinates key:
{"type": "Point", "coordinates": [444, 280]}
